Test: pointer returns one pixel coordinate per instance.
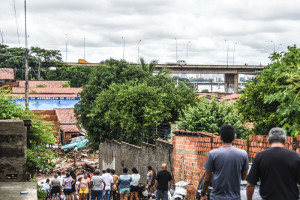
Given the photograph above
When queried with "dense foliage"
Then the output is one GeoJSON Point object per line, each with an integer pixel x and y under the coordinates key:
{"type": "Point", "coordinates": [209, 115]}
{"type": "Point", "coordinates": [38, 136]}
{"type": "Point", "coordinates": [76, 75]}
{"type": "Point", "coordinates": [14, 58]}
{"type": "Point", "coordinates": [272, 99]}
{"type": "Point", "coordinates": [123, 101]}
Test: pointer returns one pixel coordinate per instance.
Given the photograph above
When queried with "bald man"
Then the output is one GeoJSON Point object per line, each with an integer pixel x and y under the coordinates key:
{"type": "Point", "coordinates": [163, 183]}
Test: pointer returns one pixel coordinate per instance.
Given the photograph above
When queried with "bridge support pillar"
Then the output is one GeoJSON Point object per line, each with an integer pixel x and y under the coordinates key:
{"type": "Point", "coordinates": [231, 83]}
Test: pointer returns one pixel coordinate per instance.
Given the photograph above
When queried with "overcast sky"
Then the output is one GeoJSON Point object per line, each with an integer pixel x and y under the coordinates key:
{"type": "Point", "coordinates": [252, 24]}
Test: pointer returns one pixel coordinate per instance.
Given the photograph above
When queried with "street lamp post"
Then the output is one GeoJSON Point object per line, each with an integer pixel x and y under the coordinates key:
{"type": "Point", "coordinates": [187, 51]}
{"type": "Point", "coordinates": [123, 47]}
{"type": "Point", "coordinates": [66, 47]}
{"type": "Point", "coordinates": [233, 53]}
{"type": "Point", "coordinates": [139, 52]}
{"type": "Point", "coordinates": [278, 47]}
{"type": "Point", "coordinates": [273, 44]}
{"type": "Point", "coordinates": [84, 48]}
{"type": "Point", "coordinates": [227, 50]}
{"type": "Point", "coordinates": [176, 50]}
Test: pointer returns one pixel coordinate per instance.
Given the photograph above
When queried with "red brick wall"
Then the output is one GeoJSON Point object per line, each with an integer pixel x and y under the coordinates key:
{"type": "Point", "coordinates": [190, 153]}
{"type": "Point", "coordinates": [10, 84]}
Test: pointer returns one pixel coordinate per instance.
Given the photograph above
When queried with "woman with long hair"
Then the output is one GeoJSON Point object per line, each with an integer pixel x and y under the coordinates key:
{"type": "Point", "coordinates": [134, 184]}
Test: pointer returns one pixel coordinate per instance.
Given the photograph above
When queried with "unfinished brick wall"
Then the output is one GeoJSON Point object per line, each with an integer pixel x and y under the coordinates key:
{"type": "Point", "coordinates": [190, 150]}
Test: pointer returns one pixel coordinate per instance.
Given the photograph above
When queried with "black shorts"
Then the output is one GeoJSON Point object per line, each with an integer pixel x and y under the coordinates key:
{"type": "Point", "coordinates": [68, 191]}
{"type": "Point", "coordinates": [55, 189]}
{"type": "Point", "coordinates": [134, 188]}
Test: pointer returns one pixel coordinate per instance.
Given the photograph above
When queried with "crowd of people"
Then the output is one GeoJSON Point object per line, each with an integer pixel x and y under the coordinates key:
{"type": "Point", "coordinates": [89, 184]}
{"type": "Point", "coordinates": [277, 169]}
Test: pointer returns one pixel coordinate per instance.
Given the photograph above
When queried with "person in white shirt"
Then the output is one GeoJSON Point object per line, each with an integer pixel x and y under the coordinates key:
{"type": "Point", "coordinates": [134, 184]}
{"type": "Point", "coordinates": [108, 180]}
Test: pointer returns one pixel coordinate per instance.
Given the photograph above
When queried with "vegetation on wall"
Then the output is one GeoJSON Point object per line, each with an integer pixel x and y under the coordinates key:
{"type": "Point", "coordinates": [40, 134]}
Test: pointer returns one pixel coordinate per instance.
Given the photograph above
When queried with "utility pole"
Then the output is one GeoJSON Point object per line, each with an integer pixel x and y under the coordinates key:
{"type": "Point", "coordinates": [278, 47]}
{"type": "Point", "coordinates": [227, 50]}
{"type": "Point", "coordinates": [233, 53]}
{"type": "Point", "coordinates": [123, 48]}
{"type": "Point", "coordinates": [1, 32]}
{"type": "Point", "coordinates": [273, 44]}
{"type": "Point", "coordinates": [187, 52]}
{"type": "Point", "coordinates": [66, 47]}
{"type": "Point", "coordinates": [26, 64]}
{"type": "Point", "coordinates": [139, 51]}
{"type": "Point", "coordinates": [176, 50]}
{"type": "Point", "coordinates": [39, 70]}
{"type": "Point", "coordinates": [84, 48]}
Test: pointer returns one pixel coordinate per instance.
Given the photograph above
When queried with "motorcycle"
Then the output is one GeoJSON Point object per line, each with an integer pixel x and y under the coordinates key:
{"type": "Point", "coordinates": [180, 191]}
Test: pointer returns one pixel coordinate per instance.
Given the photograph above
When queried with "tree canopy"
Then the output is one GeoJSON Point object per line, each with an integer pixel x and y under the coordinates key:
{"type": "Point", "coordinates": [14, 58]}
{"type": "Point", "coordinates": [122, 101]}
{"type": "Point", "coordinates": [209, 115]}
{"type": "Point", "coordinates": [272, 99]}
{"type": "Point", "coordinates": [76, 75]}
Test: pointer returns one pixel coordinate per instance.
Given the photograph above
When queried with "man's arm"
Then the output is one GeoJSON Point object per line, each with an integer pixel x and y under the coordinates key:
{"type": "Point", "coordinates": [244, 174]}
{"type": "Point", "coordinates": [151, 175]}
{"type": "Point", "coordinates": [250, 191]}
{"type": "Point", "coordinates": [155, 183]}
{"type": "Point", "coordinates": [207, 181]}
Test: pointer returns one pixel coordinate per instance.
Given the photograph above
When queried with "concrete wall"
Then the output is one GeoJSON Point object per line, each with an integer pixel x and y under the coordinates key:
{"type": "Point", "coordinates": [116, 155]}
{"type": "Point", "coordinates": [13, 150]}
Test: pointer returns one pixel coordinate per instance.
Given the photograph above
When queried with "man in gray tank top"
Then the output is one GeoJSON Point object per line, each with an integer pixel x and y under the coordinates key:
{"type": "Point", "coordinates": [225, 168]}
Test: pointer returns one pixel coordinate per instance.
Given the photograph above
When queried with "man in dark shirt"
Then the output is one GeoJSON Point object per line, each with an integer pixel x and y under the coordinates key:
{"type": "Point", "coordinates": [163, 182]}
{"type": "Point", "coordinates": [277, 168]}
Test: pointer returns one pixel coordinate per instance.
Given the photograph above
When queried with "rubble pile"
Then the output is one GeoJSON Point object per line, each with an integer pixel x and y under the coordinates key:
{"type": "Point", "coordinates": [84, 160]}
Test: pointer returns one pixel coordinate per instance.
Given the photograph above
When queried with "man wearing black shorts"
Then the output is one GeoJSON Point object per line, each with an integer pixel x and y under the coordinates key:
{"type": "Point", "coordinates": [277, 168]}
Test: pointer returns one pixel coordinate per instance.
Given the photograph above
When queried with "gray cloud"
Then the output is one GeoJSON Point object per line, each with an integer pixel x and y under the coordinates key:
{"type": "Point", "coordinates": [252, 24]}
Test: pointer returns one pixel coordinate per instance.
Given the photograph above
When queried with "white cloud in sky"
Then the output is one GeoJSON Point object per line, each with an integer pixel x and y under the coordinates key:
{"type": "Point", "coordinates": [252, 24]}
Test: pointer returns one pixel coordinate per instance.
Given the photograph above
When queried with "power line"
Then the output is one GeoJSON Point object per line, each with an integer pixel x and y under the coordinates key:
{"type": "Point", "coordinates": [16, 22]}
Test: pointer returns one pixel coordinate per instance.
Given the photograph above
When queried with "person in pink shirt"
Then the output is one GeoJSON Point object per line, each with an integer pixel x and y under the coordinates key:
{"type": "Point", "coordinates": [84, 187]}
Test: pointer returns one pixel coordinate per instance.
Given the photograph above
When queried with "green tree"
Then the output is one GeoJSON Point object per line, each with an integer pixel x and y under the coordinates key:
{"type": "Point", "coordinates": [209, 115]}
{"type": "Point", "coordinates": [114, 102]}
{"type": "Point", "coordinates": [45, 58]}
{"type": "Point", "coordinates": [76, 75]}
{"type": "Point", "coordinates": [40, 134]}
{"type": "Point", "coordinates": [272, 99]}
{"type": "Point", "coordinates": [14, 58]}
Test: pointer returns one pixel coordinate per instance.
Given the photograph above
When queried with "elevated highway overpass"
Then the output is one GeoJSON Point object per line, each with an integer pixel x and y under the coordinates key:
{"type": "Point", "coordinates": [197, 69]}
{"type": "Point", "coordinates": [231, 72]}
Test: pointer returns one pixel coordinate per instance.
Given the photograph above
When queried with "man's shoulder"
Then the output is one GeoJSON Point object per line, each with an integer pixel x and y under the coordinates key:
{"type": "Point", "coordinates": [232, 148]}
{"type": "Point", "coordinates": [278, 151]}
{"type": "Point", "coordinates": [241, 151]}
